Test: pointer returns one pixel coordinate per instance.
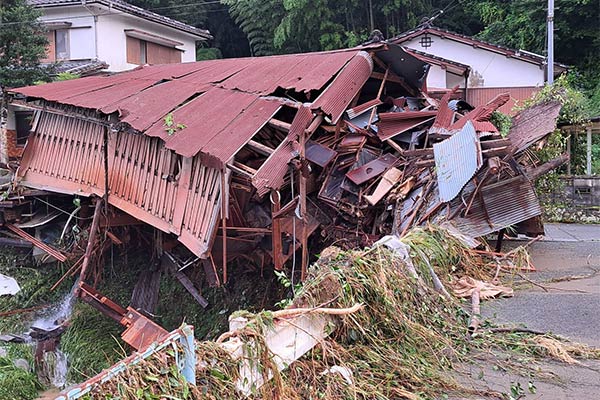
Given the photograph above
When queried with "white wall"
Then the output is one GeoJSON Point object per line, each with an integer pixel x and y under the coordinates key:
{"type": "Point", "coordinates": [497, 70]}
{"type": "Point", "coordinates": [81, 34]}
{"type": "Point", "coordinates": [109, 27]}
{"type": "Point", "coordinates": [112, 40]}
{"type": "Point", "coordinates": [436, 78]}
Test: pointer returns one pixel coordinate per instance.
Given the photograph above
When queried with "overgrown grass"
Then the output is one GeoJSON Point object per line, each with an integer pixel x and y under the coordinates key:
{"type": "Point", "coordinates": [92, 343]}
{"type": "Point", "coordinates": [16, 383]}
{"type": "Point", "coordinates": [404, 343]}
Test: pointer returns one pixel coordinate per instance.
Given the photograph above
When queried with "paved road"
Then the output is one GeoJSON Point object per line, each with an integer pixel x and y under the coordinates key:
{"type": "Point", "coordinates": [568, 266]}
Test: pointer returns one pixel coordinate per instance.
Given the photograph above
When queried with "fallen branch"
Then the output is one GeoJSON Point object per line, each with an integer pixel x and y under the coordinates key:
{"type": "Point", "coordinates": [516, 330]}
{"type": "Point", "coordinates": [293, 312]}
{"type": "Point", "coordinates": [475, 312]}
{"type": "Point", "coordinates": [23, 310]}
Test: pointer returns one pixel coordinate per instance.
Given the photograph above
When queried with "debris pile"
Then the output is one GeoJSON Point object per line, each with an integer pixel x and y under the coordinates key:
{"type": "Point", "coordinates": [403, 342]}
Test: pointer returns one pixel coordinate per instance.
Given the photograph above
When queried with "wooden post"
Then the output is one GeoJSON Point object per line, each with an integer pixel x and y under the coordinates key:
{"type": "Point", "coordinates": [569, 153]}
{"type": "Point", "coordinates": [224, 224]}
{"type": "Point", "coordinates": [276, 230]}
{"type": "Point", "coordinates": [91, 240]}
{"type": "Point", "coordinates": [304, 237]}
{"type": "Point", "coordinates": [588, 169]}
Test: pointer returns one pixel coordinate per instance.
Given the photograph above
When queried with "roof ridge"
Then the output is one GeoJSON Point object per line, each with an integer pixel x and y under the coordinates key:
{"type": "Point", "coordinates": [129, 9]}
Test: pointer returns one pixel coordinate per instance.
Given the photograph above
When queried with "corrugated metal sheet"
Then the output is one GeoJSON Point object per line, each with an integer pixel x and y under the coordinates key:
{"type": "Point", "coordinates": [271, 174]}
{"type": "Point", "coordinates": [361, 108]}
{"type": "Point", "coordinates": [392, 124]}
{"type": "Point", "coordinates": [480, 96]}
{"type": "Point", "coordinates": [504, 204]}
{"type": "Point", "coordinates": [457, 159]}
{"type": "Point", "coordinates": [146, 180]}
{"type": "Point", "coordinates": [533, 124]}
{"type": "Point", "coordinates": [227, 119]}
{"type": "Point", "coordinates": [482, 112]}
{"type": "Point", "coordinates": [336, 98]}
{"type": "Point", "coordinates": [230, 91]}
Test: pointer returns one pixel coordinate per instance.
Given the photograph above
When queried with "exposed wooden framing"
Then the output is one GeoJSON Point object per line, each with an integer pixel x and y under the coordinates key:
{"type": "Point", "coordinates": [58, 111]}
{"type": "Point", "coordinates": [395, 146]}
{"type": "Point", "coordinates": [379, 92]}
{"type": "Point", "coordinates": [260, 148]}
{"type": "Point", "coordinates": [240, 171]}
{"type": "Point", "coordinates": [304, 136]}
{"type": "Point", "coordinates": [245, 168]}
{"type": "Point", "coordinates": [276, 235]}
{"type": "Point", "coordinates": [278, 124]}
{"type": "Point", "coordinates": [224, 223]}
{"type": "Point", "coordinates": [91, 240]}
{"type": "Point", "coordinates": [37, 243]}
{"type": "Point", "coordinates": [172, 266]}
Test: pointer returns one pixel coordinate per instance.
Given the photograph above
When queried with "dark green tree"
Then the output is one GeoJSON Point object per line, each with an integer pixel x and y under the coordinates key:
{"type": "Point", "coordinates": [22, 45]}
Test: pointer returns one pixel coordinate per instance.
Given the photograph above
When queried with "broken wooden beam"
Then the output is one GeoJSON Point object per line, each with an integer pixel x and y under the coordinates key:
{"type": "Point", "coordinates": [172, 266]}
{"type": "Point", "coordinates": [91, 240]}
{"type": "Point", "coordinates": [277, 124]}
{"type": "Point", "coordinates": [37, 243]}
{"type": "Point", "coordinates": [260, 148]}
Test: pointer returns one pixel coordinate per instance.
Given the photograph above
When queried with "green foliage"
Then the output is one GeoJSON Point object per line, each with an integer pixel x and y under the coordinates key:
{"type": "Point", "coordinates": [22, 44]}
{"type": "Point", "coordinates": [501, 121]}
{"type": "Point", "coordinates": [16, 383]}
{"type": "Point", "coordinates": [171, 126]}
{"type": "Point", "coordinates": [65, 76]}
{"type": "Point", "coordinates": [92, 343]}
{"type": "Point", "coordinates": [210, 53]}
{"type": "Point", "coordinates": [575, 105]}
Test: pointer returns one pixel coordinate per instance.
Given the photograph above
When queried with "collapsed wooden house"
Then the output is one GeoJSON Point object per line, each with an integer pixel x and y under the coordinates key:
{"type": "Point", "coordinates": [186, 147]}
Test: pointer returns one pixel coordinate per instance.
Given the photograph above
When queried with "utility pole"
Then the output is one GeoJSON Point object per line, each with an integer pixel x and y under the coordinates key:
{"type": "Point", "coordinates": [550, 58]}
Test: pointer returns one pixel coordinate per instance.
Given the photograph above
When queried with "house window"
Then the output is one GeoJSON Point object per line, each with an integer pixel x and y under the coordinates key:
{"type": "Point", "coordinates": [143, 52]}
{"type": "Point", "coordinates": [58, 45]}
{"type": "Point", "coordinates": [23, 124]}
{"type": "Point", "coordinates": [62, 44]}
{"type": "Point", "coordinates": [144, 48]}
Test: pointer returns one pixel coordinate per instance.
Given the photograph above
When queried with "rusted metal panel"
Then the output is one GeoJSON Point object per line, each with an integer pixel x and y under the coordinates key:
{"type": "Point", "coordinates": [392, 124]}
{"type": "Point", "coordinates": [319, 154]}
{"type": "Point", "coordinates": [336, 98]}
{"type": "Point", "coordinates": [533, 124]}
{"type": "Point", "coordinates": [500, 205]}
{"type": "Point", "coordinates": [361, 108]}
{"type": "Point", "coordinates": [457, 159]}
{"type": "Point", "coordinates": [480, 96]}
{"type": "Point", "coordinates": [482, 112]}
{"type": "Point", "coordinates": [140, 110]}
{"type": "Point", "coordinates": [272, 173]}
{"type": "Point", "coordinates": [371, 169]}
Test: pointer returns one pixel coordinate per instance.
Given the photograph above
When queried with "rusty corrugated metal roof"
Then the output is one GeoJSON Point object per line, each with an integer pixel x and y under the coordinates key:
{"type": "Point", "coordinates": [271, 174]}
{"type": "Point", "coordinates": [533, 124]}
{"type": "Point", "coordinates": [457, 159]}
{"type": "Point", "coordinates": [229, 94]}
{"type": "Point", "coordinates": [392, 124]}
{"type": "Point", "coordinates": [505, 203]}
{"type": "Point", "coordinates": [479, 96]}
{"type": "Point", "coordinates": [336, 98]}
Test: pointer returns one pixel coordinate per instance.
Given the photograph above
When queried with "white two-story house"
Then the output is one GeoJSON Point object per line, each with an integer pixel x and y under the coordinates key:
{"type": "Point", "coordinates": [86, 36]}
{"type": "Point", "coordinates": [89, 37]}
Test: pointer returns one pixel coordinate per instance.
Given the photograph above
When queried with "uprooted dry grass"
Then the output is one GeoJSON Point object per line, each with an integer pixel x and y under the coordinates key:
{"type": "Point", "coordinates": [403, 343]}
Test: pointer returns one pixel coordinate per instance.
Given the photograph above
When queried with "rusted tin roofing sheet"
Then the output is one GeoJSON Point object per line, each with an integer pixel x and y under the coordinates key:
{"type": "Point", "coordinates": [229, 93]}
{"type": "Point", "coordinates": [457, 159]}
{"type": "Point", "coordinates": [505, 203]}
{"type": "Point", "coordinates": [227, 119]}
{"type": "Point", "coordinates": [483, 112]}
{"type": "Point", "coordinates": [336, 98]}
{"type": "Point", "coordinates": [480, 96]}
{"type": "Point", "coordinates": [532, 124]}
{"type": "Point", "coordinates": [392, 124]}
{"type": "Point", "coordinates": [272, 173]}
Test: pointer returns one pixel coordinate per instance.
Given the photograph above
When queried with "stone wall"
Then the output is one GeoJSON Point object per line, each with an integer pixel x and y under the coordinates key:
{"type": "Point", "coordinates": [578, 200]}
